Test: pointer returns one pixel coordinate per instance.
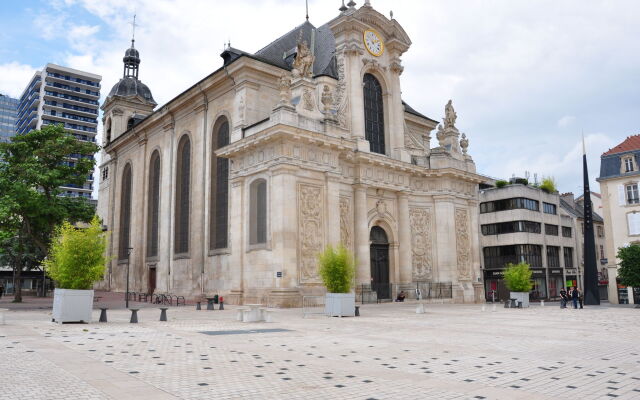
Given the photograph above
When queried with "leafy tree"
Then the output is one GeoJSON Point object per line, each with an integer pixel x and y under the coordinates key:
{"type": "Point", "coordinates": [517, 277]}
{"type": "Point", "coordinates": [33, 166]}
{"type": "Point", "coordinates": [337, 269]}
{"type": "Point", "coordinates": [629, 271]}
{"type": "Point", "coordinates": [77, 256]}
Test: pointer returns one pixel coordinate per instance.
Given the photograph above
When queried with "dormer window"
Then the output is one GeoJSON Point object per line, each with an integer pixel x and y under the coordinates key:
{"type": "Point", "coordinates": [627, 163]}
{"type": "Point", "coordinates": [130, 123]}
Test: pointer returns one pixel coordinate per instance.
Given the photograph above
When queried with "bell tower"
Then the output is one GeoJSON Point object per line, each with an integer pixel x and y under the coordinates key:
{"type": "Point", "coordinates": [129, 101]}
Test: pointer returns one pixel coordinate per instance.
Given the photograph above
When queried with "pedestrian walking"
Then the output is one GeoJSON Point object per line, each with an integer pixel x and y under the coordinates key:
{"type": "Point", "coordinates": [1, 290]}
{"type": "Point", "coordinates": [563, 298]}
{"type": "Point", "coordinates": [574, 296]}
{"type": "Point", "coordinates": [580, 298]}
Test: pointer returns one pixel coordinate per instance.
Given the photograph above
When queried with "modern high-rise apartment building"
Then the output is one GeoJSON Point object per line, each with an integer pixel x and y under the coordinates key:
{"type": "Point", "coordinates": [8, 116]}
{"type": "Point", "coordinates": [61, 95]}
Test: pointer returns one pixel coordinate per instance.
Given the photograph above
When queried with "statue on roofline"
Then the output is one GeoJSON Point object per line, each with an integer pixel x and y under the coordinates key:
{"type": "Point", "coordinates": [450, 116]}
{"type": "Point", "coordinates": [303, 64]}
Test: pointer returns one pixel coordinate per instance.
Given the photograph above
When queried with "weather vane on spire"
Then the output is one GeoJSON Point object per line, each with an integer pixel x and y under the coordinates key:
{"type": "Point", "coordinates": [307, 4]}
{"type": "Point", "coordinates": [133, 30]}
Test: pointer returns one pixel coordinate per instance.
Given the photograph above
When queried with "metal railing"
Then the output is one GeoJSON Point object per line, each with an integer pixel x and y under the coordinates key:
{"type": "Point", "coordinates": [312, 305]}
{"type": "Point", "coordinates": [387, 292]}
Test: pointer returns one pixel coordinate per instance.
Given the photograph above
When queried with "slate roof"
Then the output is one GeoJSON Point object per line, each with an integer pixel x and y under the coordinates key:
{"type": "Point", "coordinates": [631, 143]}
{"type": "Point", "coordinates": [132, 87]}
{"type": "Point", "coordinates": [411, 110]}
{"type": "Point", "coordinates": [578, 211]}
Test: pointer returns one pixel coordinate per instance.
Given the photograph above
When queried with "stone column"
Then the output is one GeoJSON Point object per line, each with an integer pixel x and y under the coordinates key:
{"type": "Point", "coordinates": [404, 238]}
{"type": "Point", "coordinates": [361, 233]}
{"type": "Point", "coordinates": [333, 210]}
{"type": "Point", "coordinates": [445, 221]}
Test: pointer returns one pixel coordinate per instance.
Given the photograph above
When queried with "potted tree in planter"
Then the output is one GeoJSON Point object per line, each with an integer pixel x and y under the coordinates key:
{"type": "Point", "coordinates": [337, 272]}
{"type": "Point", "coordinates": [517, 278]}
{"type": "Point", "coordinates": [76, 261]}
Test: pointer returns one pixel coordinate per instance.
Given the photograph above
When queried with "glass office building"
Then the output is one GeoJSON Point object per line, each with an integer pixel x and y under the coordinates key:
{"type": "Point", "coordinates": [8, 116]}
{"type": "Point", "coordinates": [61, 95]}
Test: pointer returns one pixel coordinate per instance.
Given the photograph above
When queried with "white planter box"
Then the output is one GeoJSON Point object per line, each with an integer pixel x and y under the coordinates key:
{"type": "Point", "coordinates": [72, 305]}
{"type": "Point", "coordinates": [340, 304]}
{"type": "Point", "coordinates": [520, 296]}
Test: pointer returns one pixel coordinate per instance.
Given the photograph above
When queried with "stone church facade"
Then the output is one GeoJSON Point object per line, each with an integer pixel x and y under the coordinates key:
{"type": "Point", "coordinates": [235, 185]}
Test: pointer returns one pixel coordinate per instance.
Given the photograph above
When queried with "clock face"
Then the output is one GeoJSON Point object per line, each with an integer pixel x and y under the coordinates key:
{"type": "Point", "coordinates": [373, 43]}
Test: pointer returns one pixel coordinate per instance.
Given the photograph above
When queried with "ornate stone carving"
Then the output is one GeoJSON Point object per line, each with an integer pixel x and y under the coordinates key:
{"type": "Point", "coordinates": [310, 231]}
{"type": "Point", "coordinates": [303, 64]}
{"type": "Point", "coordinates": [340, 100]}
{"type": "Point", "coordinates": [284, 84]}
{"type": "Point", "coordinates": [308, 102]}
{"type": "Point", "coordinates": [327, 99]}
{"type": "Point", "coordinates": [464, 144]}
{"type": "Point", "coordinates": [463, 244]}
{"type": "Point", "coordinates": [421, 250]}
{"type": "Point", "coordinates": [381, 208]}
{"type": "Point", "coordinates": [345, 223]}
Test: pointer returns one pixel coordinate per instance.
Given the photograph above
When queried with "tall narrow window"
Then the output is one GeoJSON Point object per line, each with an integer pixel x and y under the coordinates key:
{"type": "Point", "coordinates": [373, 114]}
{"type": "Point", "coordinates": [153, 208]}
{"type": "Point", "coordinates": [219, 189]}
{"type": "Point", "coordinates": [632, 194]}
{"type": "Point", "coordinates": [125, 214]}
{"type": "Point", "coordinates": [183, 198]}
{"type": "Point", "coordinates": [258, 212]}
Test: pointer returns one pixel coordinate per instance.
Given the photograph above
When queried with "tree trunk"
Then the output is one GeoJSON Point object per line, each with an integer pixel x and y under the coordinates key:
{"type": "Point", "coordinates": [17, 283]}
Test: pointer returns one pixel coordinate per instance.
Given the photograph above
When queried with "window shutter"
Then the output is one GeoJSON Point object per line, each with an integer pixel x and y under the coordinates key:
{"type": "Point", "coordinates": [634, 223]}
{"type": "Point", "coordinates": [621, 199]}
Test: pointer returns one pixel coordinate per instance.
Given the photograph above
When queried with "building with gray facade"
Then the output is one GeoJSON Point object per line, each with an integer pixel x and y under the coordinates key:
{"type": "Point", "coordinates": [61, 95]}
{"type": "Point", "coordinates": [8, 116]}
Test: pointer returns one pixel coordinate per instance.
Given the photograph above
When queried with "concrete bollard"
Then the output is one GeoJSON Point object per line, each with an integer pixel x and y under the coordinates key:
{"type": "Point", "coordinates": [134, 316]}
{"type": "Point", "coordinates": [541, 303]}
{"type": "Point", "coordinates": [103, 314]}
{"type": "Point", "coordinates": [357, 314]}
{"type": "Point", "coordinates": [163, 313]}
{"type": "Point", "coordinates": [420, 308]}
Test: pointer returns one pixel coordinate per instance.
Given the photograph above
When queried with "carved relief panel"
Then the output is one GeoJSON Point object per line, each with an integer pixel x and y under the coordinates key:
{"type": "Point", "coordinates": [346, 237]}
{"type": "Point", "coordinates": [463, 244]}
{"type": "Point", "coordinates": [310, 231]}
{"type": "Point", "coordinates": [421, 250]}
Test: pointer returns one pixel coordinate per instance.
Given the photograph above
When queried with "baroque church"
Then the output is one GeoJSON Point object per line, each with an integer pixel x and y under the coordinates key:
{"type": "Point", "coordinates": [235, 185]}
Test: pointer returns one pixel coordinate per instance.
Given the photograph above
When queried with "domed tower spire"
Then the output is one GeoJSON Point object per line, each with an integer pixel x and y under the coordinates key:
{"type": "Point", "coordinates": [131, 56]}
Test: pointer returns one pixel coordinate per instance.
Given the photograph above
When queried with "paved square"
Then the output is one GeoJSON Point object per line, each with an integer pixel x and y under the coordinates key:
{"type": "Point", "coordinates": [390, 352]}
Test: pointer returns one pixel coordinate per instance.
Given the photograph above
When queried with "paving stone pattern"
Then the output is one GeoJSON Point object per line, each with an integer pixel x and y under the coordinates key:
{"type": "Point", "coordinates": [451, 352]}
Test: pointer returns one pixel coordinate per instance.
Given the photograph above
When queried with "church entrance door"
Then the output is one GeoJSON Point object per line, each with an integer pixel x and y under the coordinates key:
{"type": "Point", "coordinates": [152, 280]}
{"type": "Point", "coordinates": [379, 252]}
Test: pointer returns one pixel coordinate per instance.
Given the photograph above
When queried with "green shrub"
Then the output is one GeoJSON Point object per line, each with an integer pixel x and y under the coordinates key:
{"type": "Point", "coordinates": [548, 185]}
{"type": "Point", "coordinates": [77, 256]}
{"type": "Point", "coordinates": [517, 277]}
{"type": "Point", "coordinates": [629, 271]}
{"type": "Point", "coordinates": [522, 181]}
{"type": "Point", "coordinates": [501, 183]}
{"type": "Point", "coordinates": [337, 269]}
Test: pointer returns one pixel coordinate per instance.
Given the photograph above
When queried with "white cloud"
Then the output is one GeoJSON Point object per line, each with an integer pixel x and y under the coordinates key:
{"type": "Point", "coordinates": [14, 76]}
{"type": "Point", "coordinates": [566, 121]}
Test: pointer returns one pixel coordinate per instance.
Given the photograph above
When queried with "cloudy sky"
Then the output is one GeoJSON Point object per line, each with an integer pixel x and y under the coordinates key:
{"type": "Point", "coordinates": [526, 77]}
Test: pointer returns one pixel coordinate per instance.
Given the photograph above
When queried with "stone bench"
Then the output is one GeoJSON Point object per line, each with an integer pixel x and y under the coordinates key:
{"type": "Point", "coordinates": [241, 311]}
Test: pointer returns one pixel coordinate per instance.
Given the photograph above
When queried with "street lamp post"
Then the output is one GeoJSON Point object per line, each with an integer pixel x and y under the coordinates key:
{"type": "Point", "coordinates": [126, 295]}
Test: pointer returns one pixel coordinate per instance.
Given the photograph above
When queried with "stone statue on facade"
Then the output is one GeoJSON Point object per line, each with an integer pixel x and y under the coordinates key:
{"type": "Point", "coordinates": [303, 64]}
{"type": "Point", "coordinates": [284, 84]}
{"type": "Point", "coordinates": [327, 99]}
{"type": "Point", "coordinates": [450, 116]}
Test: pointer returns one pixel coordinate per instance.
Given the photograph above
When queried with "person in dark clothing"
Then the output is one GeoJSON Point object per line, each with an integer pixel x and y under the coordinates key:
{"type": "Point", "coordinates": [579, 297]}
{"type": "Point", "coordinates": [575, 294]}
{"type": "Point", "coordinates": [1, 290]}
{"type": "Point", "coordinates": [563, 298]}
{"type": "Point", "coordinates": [401, 296]}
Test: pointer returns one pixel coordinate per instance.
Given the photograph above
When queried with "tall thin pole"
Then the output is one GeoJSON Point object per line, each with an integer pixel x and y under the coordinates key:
{"type": "Point", "coordinates": [307, 4]}
{"type": "Point", "coordinates": [591, 293]}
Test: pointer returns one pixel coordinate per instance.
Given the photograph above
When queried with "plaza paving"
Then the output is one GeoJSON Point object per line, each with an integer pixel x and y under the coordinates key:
{"type": "Point", "coordinates": [390, 352]}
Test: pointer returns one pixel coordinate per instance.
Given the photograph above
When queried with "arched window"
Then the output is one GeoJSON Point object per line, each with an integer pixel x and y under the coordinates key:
{"type": "Point", "coordinates": [107, 131]}
{"type": "Point", "coordinates": [258, 212]}
{"type": "Point", "coordinates": [183, 188]}
{"type": "Point", "coordinates": [373, 114]}
{"type": "Point", "coordinates": [153, 206]}
{"type": "Point", "coordinates": [219, 220]}
{"type": "Point", "coordinates": [125, 214]}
